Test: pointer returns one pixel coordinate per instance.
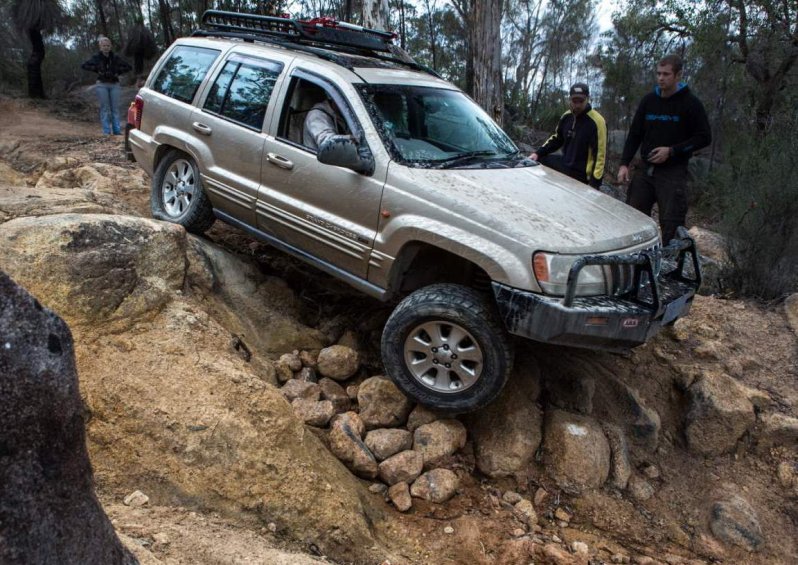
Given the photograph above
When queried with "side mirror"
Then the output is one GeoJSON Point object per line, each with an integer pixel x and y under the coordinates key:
{"type": "Point", "coordinates": [344, 151]}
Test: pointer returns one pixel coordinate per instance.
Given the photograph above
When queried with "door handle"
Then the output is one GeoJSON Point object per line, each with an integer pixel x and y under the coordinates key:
{"type": "Point", "coordinates": [202, 128]}
{"type": "Point", "coordinates": [280, 161]}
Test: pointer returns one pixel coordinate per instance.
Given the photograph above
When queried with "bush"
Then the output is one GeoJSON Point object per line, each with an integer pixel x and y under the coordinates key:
{"type": "Point", "coordinates": [756, 193]}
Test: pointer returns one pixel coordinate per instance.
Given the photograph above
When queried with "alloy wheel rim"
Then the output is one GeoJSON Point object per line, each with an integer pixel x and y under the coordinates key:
{"type": "Point", "coordinates": [178, 188]}
{"type": "Point", "coordinates": [443, 356]}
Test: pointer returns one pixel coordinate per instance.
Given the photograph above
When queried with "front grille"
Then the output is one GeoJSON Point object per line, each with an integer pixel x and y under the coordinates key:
{"type": "Point", "coordinates": [619, 279]}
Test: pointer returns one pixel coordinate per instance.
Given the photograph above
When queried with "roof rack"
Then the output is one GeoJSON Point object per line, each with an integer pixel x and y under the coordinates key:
{"type": "Point", "coordinates": [318, 36]}
{"type": "Point", "coordinates": [320, 30]}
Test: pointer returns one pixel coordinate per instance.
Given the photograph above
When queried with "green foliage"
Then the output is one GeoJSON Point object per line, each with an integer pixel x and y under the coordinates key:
{"type": "Point", "coordinates": [756, 196]}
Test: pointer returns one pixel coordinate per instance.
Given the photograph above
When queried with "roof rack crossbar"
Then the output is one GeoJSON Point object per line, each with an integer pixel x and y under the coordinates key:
{"type": "Point", "coordinates": [295, 30]}
{"type": "Point", "coordinates": [321, 53]}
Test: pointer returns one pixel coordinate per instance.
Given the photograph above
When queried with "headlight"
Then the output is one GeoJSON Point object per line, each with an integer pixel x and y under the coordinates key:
{"type": "Point", "coordinates": [551, 271]}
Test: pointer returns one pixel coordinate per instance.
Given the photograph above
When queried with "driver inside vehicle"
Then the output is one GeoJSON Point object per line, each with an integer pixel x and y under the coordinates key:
{"type": "Point", "coordinates": [323, 121]}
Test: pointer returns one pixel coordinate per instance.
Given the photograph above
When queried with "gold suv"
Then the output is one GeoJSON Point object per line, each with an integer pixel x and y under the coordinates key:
{"type": "Point", "coordinates": [326, 141]}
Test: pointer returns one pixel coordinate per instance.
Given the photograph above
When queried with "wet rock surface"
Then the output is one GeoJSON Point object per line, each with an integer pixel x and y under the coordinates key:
{"type": "Point", "coordinates": [48, 510]}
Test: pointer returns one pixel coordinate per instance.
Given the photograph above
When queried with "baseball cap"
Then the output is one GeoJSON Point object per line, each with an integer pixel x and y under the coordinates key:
{"type": "Point", "coordinates": [579, 89]}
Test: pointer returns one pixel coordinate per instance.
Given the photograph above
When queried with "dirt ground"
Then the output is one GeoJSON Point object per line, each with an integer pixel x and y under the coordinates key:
{"type": "Point", "coordinates": [749, 341]}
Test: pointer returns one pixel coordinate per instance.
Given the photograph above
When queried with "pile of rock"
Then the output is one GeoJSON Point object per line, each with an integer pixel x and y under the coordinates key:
{"type": "Point", "coordinates": [373, 428]}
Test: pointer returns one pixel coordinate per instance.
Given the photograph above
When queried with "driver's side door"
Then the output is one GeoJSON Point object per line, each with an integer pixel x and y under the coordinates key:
{"type": "Point", "coordinates": [328, 212]}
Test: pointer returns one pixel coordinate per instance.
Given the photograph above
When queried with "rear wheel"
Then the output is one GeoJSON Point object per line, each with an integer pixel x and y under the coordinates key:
{"type": "Point", "coordinates": [445, 346]}
{"type": "Point", "coordinates": [177, 195]}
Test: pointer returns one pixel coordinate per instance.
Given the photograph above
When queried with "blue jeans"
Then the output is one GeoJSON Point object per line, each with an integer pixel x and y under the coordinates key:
{"type": "Point", "coordinates": [108, 95]}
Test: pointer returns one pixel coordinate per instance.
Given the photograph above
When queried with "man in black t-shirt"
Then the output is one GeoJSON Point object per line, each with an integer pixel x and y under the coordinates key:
{"type": "Point", "coordinates": [669, 125]}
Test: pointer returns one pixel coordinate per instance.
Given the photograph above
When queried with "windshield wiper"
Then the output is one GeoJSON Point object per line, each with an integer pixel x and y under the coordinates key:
{"type": "Point", "coordinates": [462, 158]}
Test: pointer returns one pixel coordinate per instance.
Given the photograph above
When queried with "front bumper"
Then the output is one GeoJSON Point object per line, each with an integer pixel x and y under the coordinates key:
{"type": "Point", "coordinates": [608, 322]}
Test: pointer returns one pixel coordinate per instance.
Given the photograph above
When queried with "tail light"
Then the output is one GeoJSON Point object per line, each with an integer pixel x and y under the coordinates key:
{"type": "Point", "coordinates": [135, 111]}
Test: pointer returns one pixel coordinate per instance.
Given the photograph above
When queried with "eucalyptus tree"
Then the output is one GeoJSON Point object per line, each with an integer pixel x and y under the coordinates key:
{"type": "Point", "coordinates": [35, 18]}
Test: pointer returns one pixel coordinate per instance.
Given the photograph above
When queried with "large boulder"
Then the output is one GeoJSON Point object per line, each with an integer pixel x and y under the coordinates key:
{"type": "Point", "coordinates": [382, 404]}
{"type": "Point", "coordinates": [575, 451]}
{"type": "Point", "coordinates": [719, 414]}
{"type": "Point", "coordinates": [507, 433]}
{"type": "Point", "coordinates": [48, 510]}
{"type": "Point", "coordinates": [96, 268]}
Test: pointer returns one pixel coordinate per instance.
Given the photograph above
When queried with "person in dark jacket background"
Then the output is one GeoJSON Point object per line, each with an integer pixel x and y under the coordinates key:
{"type": "Point", "coordinates": [108, 68]}
{"type": "Point", "coordinates": [582, 134]}
{"type": "Point", "coordinates": [669, 125]}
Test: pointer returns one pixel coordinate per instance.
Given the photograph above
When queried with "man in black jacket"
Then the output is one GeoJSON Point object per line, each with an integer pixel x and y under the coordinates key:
{"type": "Point", "coordinates": [669, 125]}
{"type": "Point", "coordinates": [582, 134]}
{"type": "Point", "coordinates": [108, 68]}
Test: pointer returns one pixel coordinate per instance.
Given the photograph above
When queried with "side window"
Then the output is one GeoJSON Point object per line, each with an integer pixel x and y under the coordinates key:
{"type": "Point", "coordinates": [242, 91]}
{"type": "Point", "coordinates": [308, 102]}
{"type": "Point", "coordinates": [184, 71]}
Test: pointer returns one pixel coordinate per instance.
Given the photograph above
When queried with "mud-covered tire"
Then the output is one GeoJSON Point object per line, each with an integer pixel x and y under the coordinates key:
{"type": "Point", "coordinates": [177, 195]}
{"type": "Point", "coordinates": [464, 322]}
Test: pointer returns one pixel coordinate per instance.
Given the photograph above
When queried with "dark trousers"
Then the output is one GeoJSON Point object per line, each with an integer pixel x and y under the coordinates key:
{"type": "Point", "coordinates": [667, 187]}
{"type": "Point", "coordinates": [555, 161]}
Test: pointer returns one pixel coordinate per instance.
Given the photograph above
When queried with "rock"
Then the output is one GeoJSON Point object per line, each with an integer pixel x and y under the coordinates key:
{"type": "Point", "coordinates": [335, 393]}
{"type": "Point", "coordinates": [400, 496]}
{"type": "Point", "coordinates": [639, 488]}
{"type": "Point", "coordinates": [351, 391]}
{"type": "Point", "coordinates": [385, 442]}
{"type": "Point", "coordinates": [791, 311]}
{"type": "Point", "coordinates": [283, 371]}
{"type": "Point", "coordinates": [711, 244]}
{"type": "Point", "coordinates": [378, 488]}
{"type": "Point", "coordinates": [719, 414]}
{"type": "Point", "coordinates": [555, 555]}
{"type": "Point", "coordinates": [448, 530]}
{"type": "Point", "coordinates": [525, 511]}
{"type": "Point", "coordinates": [419, 416]}
{"type": "Point", "coordinates": [540, 497]}
{"type": "Point", "coordinates": [734, 522]}
{"type": "Point", "coordinates": [160, 539]}
{"type": "Point", "coordinates": [580, 548]}
{"type": "Point", "coordinates": [404, 466]}
{"type": "Point", "coordinates": [512, 497]}
{"type": "Point", "coordinates": [49, 511]}
{"type": "Point", "coordinates": [651, 472]}
{"type": "Point", "coordinates": [338, 362]}
{"type": "Point", "coordinates": [296, 388]}
{"type": "Point", "coordinates": [572, 391]}
{"type": "Point", "coordinates": [507, 433]}
{"type": "Point", "coordinates": [291, 360]}
{"type": "Point", "coordinates": [620, 558]}
{"type": "Point", "coordinates": [309, 358]}
{"type": "Point", "coordinates": [438, 485]}
{"type": "Point", "coordinates": [382, 405]}
{"type": "Point", "coordinates": [576, 453]}
{"type": "Point", "coordinates": [786, 474]}
{"type": "Point", "coordinates": [617, 402]}
{"type": "Point", "coordinates": [620, 467]}
{"type": "Point", "coordinates": [777, 430]}
{"type": "Point", "coordinates": [313, 412]}
{"type": "Point", "coordinates": [438, 440]}
{"type": "Point", "coordinates": [306, 374]}
{"type": "Point", "coordinates": [346, 444]}
{"type": "Point", "coordinates": [349, 339]}
{"type": "Point", "coordinates": [562, 515]}
{"type": "Point", "coordinates": [136, 499]}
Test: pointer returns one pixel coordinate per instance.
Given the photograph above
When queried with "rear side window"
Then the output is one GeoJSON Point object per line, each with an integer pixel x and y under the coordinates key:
{"type": "Point", "coordinates": [184, 71]}
{"type": "Point", "coordinates": [242, 91]}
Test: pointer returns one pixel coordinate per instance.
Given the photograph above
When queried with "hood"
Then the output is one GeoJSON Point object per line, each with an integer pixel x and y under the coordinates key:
{"type": "Point", "coordinates": [534, 206]}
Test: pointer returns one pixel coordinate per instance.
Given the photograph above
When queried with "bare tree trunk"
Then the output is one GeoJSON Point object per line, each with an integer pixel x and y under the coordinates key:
{"type": "Point", "coordinates": [375, 14]}
{"type": "Point", "coordinates": [120, 38]}
{"type": "Point", "coordinates": [166, 22]}
{"type": "Point", "coordinates": [101, 14]}
{"type": "Point", "coordinates": [35, 84]}
{"type": "Point", "coordinates": [486, 51]}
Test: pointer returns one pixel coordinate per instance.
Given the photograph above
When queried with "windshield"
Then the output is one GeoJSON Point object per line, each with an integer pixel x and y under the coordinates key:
{"type": "Point", "coordinates": [434, 127]}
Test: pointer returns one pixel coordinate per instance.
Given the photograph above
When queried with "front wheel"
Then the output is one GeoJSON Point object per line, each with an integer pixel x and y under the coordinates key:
{"type": "Point", "coordinates": [445, 347]}
{"type": "Point", "coordinates": [177, 195]}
